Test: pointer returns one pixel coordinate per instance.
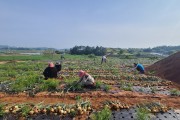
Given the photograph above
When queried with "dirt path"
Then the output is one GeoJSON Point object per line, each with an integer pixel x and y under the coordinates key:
{"type": "Point", "coordinates": [4, 62]}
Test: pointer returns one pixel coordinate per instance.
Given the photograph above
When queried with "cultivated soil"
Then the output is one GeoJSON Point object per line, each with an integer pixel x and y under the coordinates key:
{"type": "Point", "coordinates": [168, 68]}
{"type": "Point", "coordinates": [96, 98]}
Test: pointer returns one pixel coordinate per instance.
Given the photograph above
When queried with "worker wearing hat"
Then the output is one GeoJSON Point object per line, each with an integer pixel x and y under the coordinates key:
{"type": "Point", "coordinates": [50, 71]}
{"type": "Point", "coordinates": [58, 66]}
{"type": "Point", "coordinates": [86, 80]}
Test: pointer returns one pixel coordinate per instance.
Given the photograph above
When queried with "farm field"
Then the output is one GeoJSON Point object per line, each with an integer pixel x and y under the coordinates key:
{"type": "Point", "coordinates": [24, 94]}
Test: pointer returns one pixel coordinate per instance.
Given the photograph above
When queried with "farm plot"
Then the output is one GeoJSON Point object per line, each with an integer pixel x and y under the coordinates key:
{"type": "Point", "coordinates": [23, 83]}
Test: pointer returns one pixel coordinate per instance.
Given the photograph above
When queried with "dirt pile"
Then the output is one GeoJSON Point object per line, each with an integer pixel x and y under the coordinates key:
{"type": "Point", "coordinates": [168, 68]}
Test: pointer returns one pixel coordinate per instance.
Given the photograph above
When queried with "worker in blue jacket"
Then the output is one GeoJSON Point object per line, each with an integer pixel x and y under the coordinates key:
{"type": "Point", "coordinates": [139, 67]}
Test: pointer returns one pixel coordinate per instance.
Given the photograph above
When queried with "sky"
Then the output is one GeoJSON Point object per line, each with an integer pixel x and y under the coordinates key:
{"type": "Point", "coordinates": [109, 23]}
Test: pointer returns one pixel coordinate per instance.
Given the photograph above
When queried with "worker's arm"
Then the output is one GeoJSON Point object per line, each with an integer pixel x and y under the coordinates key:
{"type": "Point", "coordinates": [45, 72]}
{"type": "Point", "coordinates": [132, 69]}
{"type": "Point", "coordinates": [80, 80]}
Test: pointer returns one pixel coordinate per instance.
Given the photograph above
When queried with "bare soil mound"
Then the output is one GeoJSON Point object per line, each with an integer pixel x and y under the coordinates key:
{"type": "Point", "coordinates": [167, 68]}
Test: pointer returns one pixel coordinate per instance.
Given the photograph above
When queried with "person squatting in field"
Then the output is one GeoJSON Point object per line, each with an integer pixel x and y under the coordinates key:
{"type": "Point", "coordinates": [86, 80]}
{"type": "Point", "coordinates": [62, 56]}
{"type": "Point", "coordinates": [50, 71]}
{"type": "Point", "coordinates": [58, 66]}
{"type": "Point", "coordinates": [104, 58]}
{"type": "Point", "coordinates": [139, 67]}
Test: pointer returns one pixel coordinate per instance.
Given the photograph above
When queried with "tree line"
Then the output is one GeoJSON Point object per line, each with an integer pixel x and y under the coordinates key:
{"type": "Point", "coordinates": [79, 50]}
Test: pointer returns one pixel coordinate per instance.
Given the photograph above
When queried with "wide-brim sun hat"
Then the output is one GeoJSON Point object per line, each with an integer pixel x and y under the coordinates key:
{"type": "Point", "coordinates": [51, 64]}
{"type": "Point", "coordinates": [58, 63]}
{"type": "Point", "coordinates": [81, 73]}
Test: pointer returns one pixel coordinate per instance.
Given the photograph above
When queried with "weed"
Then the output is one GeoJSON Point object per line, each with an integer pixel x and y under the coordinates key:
{"type": "Point", "coordinates": [98, 84]}
{"type": "Point", "coordinates": [49, 85]}
{"type": "Point", "coordinates": [104, 114]}
{"type": "Point", "coordinates": [107, 88]}
{"type": "Point", "coordinates": [73, 113]}
{"type": "Point", "coordinates": [78, 97]}
{"type": "Point", "coordinates": [74, 86]}
{"type": "Point", "coordinates": [126, 86]}
{"type": "Point", "coordinates": [70, 80]}
{"type": "Point", "coordinates": [151, 72]}
{"type": "Point", "coordinates": [1, 110]}
{"type": "Point", "coordinates": [141, 90]}
{"type": "Point", "coordinates": [25, 110]}
{"type": "Point", "coordinates": [153, 90]}
{"type": "Point", "coordinates": [77, 87]}
{"type": "Point", "coordinates": [142, 114]}
{"type": "Point", "coordinates": [174, 92]}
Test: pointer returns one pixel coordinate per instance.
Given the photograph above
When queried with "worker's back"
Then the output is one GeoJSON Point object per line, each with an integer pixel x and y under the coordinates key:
{"type": "Point", "coordinates": [50, 72]}
{"type": "Point", "coordinates": [140, 67]}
